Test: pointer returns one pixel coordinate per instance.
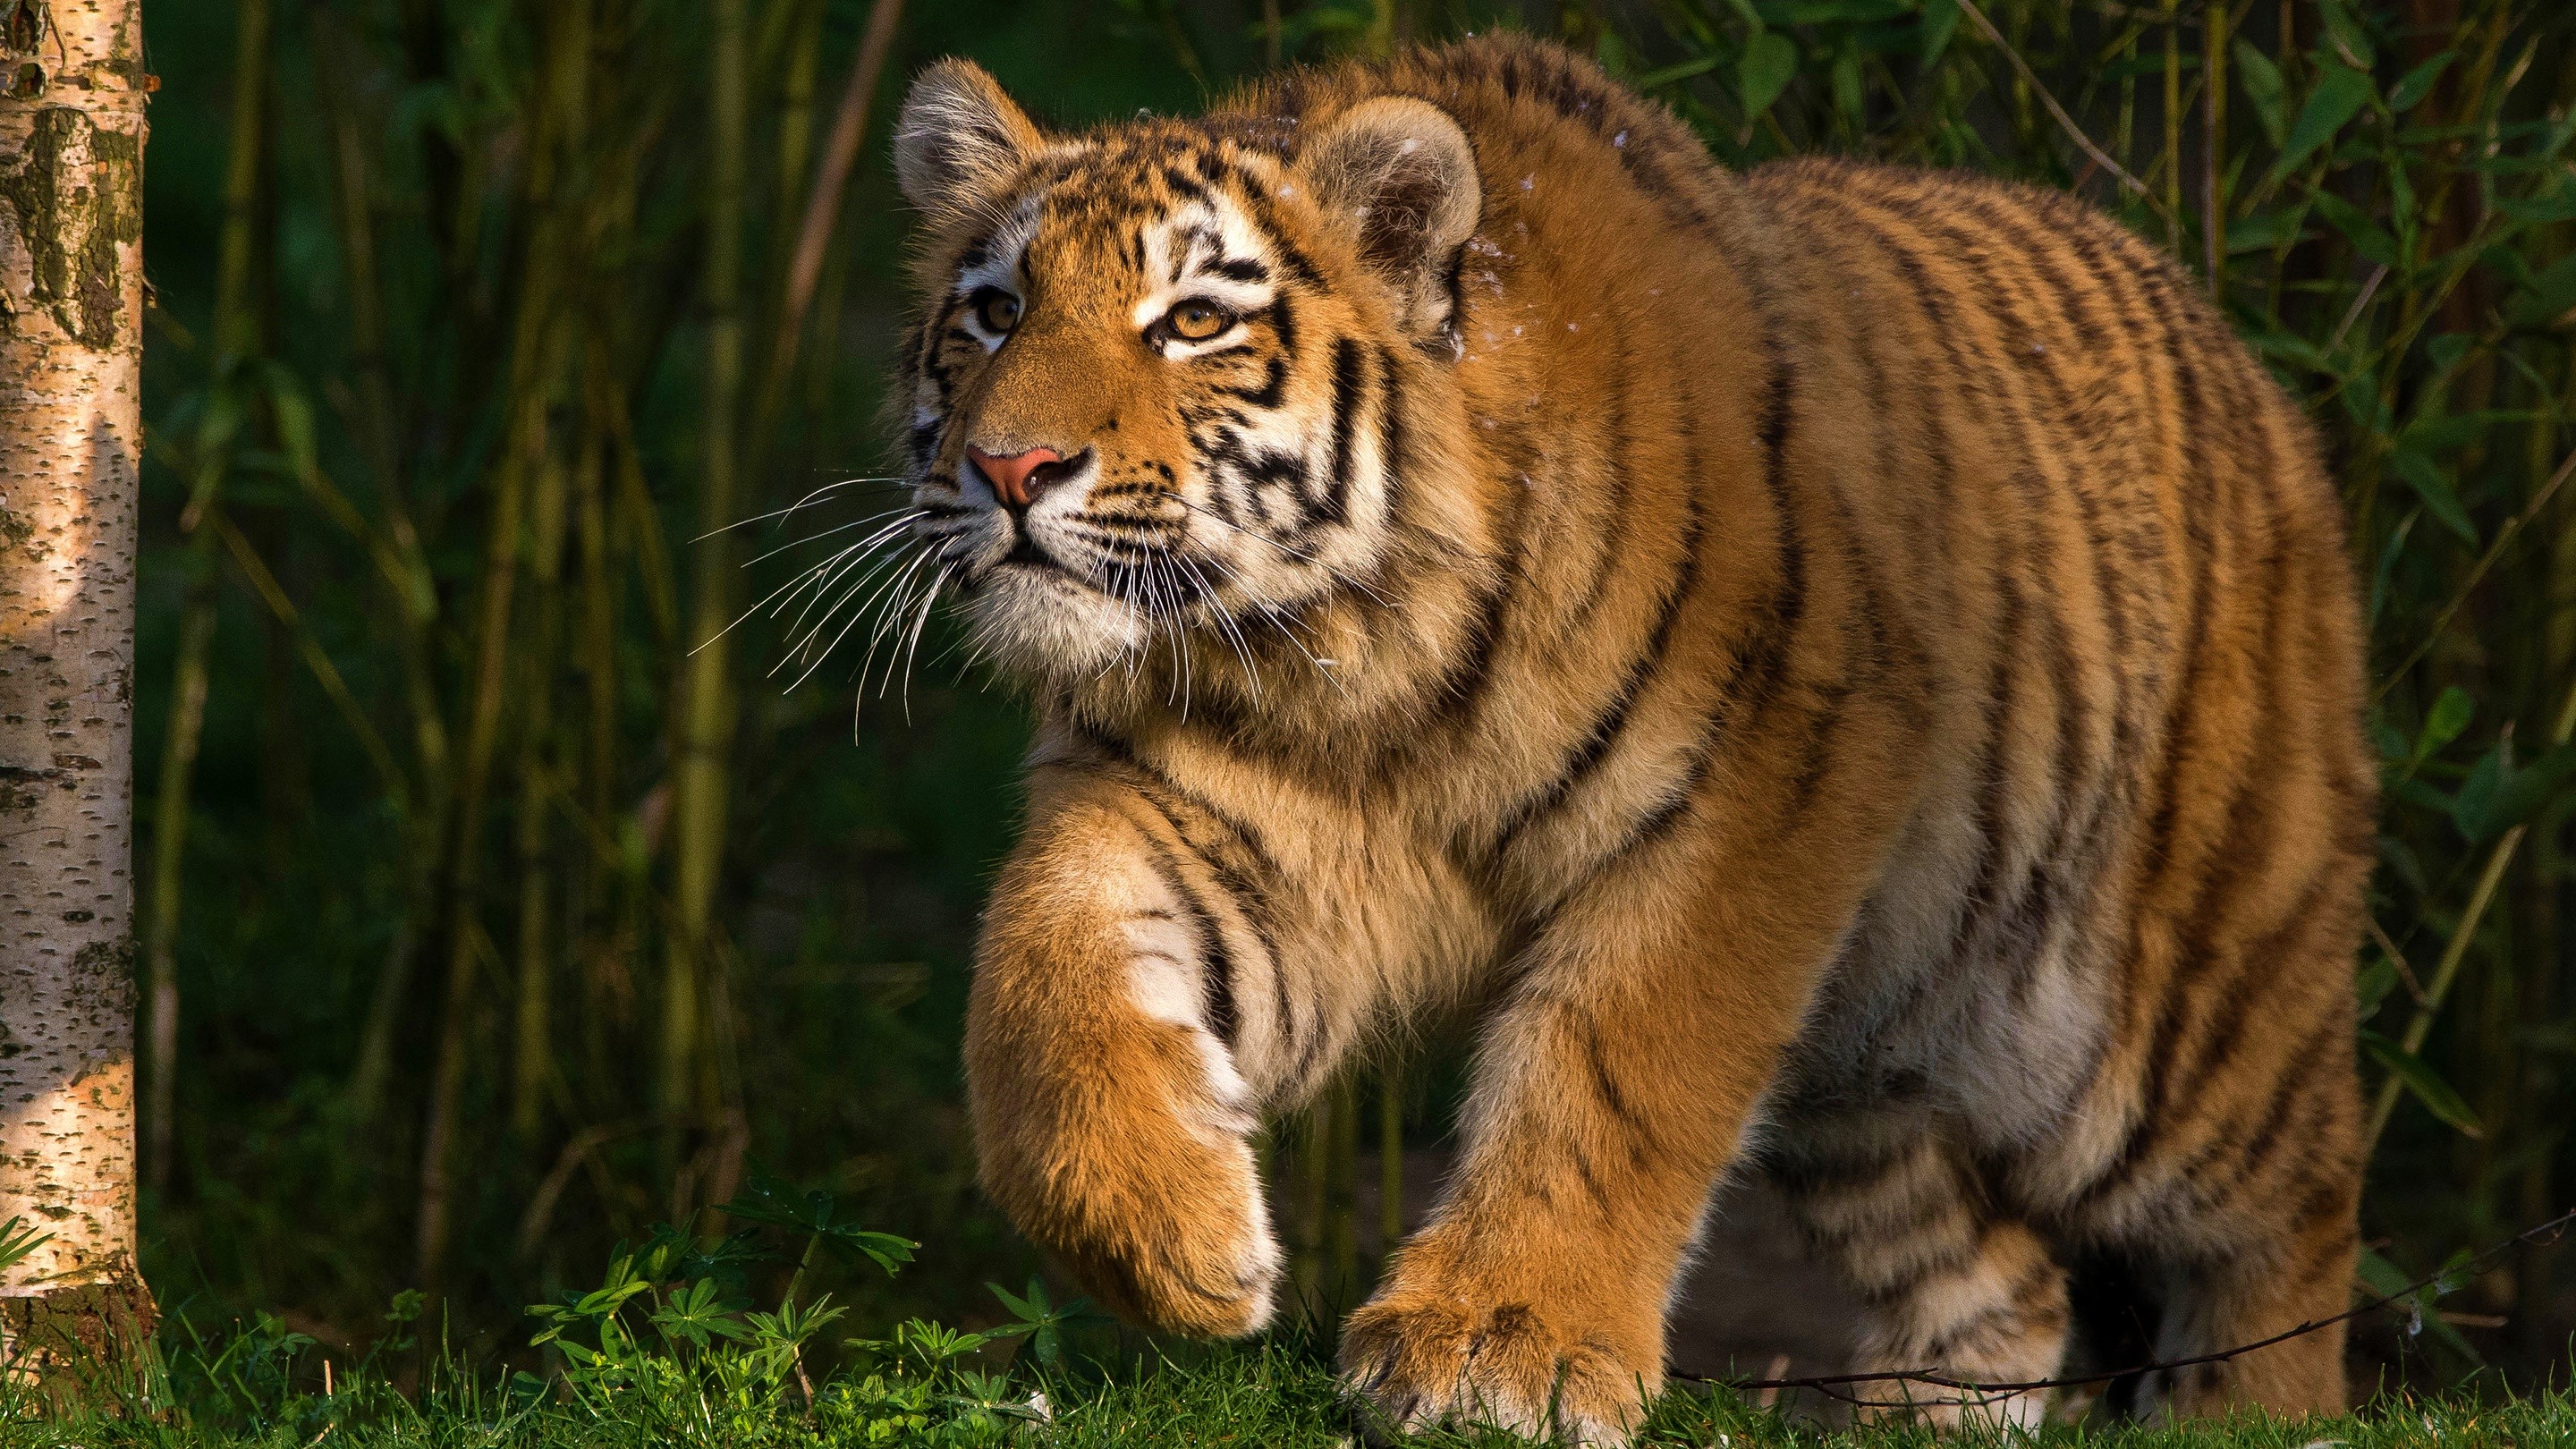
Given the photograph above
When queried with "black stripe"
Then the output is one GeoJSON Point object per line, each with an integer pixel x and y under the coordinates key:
{"type": "Point", "coordinates": [1615, 429]}
{"type": "Point", "coordinates": [1216, 980]}
{"type": "Point", "coordinates": [2295, 1083]}
{"type": "Point", "coordinates": [1273, 386]}
{"type": "Point", "coordinates": [1764, 662]}
{"type": "Point", "coordinates": [1612, 721]}
{"type": "Point", "coordinates": [1347, 382]}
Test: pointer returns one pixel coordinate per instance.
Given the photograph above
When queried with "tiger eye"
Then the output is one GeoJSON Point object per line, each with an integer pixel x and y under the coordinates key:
{"type": "Point", "coordinates": [1197, 321]}
{"type": "Point", "coordinates": [998, 310]}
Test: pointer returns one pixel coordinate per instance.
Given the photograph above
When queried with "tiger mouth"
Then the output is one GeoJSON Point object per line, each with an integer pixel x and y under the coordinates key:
{"type": "Point", "coordinates": [1026, 553]}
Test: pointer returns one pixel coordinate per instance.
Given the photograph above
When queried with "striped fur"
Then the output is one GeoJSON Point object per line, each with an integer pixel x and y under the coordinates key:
{"type": "Point", "coordinates": [1853, 672]}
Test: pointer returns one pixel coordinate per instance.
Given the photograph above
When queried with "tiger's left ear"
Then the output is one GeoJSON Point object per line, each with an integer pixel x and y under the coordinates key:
{"type": "Point", "coordinates": [1404, 175]}
{"type": "Point", "coordinates": [959, 138]}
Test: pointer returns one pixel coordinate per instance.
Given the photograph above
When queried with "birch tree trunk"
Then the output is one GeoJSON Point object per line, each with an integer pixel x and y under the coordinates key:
{"type": "Point", "coordinates": [71, 314]}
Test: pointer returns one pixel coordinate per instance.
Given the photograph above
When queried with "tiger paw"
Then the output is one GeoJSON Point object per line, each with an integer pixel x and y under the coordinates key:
{"type": "Point", "coordinates": [1421, 1357]}
{"type": "Point", "coordinates": [1165, 1230]}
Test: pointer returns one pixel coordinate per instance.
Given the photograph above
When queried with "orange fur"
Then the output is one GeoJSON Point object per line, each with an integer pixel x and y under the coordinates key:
{"type": "Point", "coordinates": [1858, 668]}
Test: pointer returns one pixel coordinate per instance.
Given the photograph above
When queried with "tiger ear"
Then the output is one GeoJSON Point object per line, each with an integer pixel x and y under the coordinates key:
{"type": "Point", "coordinates": [1404, 174]}
{"type": "Point", "coordinates": [959, 138]}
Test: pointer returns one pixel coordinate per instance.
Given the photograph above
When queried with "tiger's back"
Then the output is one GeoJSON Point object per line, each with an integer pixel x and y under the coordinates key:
{"type": "Point", "coordinates": [1857, 667]}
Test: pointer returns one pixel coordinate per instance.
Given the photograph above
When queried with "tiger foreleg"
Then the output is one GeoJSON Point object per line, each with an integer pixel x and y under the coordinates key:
{"type": "Point", "coordinates": [1613, 1087]}
{"type": "Point", "coordinates": [1110, 1120]}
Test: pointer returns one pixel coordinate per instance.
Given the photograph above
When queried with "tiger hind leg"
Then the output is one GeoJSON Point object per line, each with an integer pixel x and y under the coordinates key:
{"type": "Point", "coordinates": [2214, 1304]}
{"type": "Point", "coordinates": [1951, 1287]}
{"type": "Point", "coordinates": [2240, 1212]}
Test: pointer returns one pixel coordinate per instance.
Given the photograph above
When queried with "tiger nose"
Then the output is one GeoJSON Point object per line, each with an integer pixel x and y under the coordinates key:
{"type": "Point", "coordinates": [1016, 479]}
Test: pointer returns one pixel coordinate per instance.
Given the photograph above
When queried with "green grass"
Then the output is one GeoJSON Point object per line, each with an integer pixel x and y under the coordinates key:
{"type": "Point", "coordinates": [1273, 1394]}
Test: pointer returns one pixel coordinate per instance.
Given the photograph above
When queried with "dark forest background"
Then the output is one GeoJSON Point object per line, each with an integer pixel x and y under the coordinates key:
{"type": "Point", "coordinates": [486, 924]}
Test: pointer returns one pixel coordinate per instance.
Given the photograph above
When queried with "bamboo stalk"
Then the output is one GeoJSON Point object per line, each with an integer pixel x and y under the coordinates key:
{"type": "Point", "coordinates": [823, 208]}
{"type": "Point", "coordinates": [403, 565]}
{"type": "Point", "coordinates": [290, 622]}
{"type": "Point", "coordinates": [2084, 143]}
{"type": "Point", "coordinates": [2477, 572]}
{"type": "Point", "coordinates": [1390, 1160]}
{"type": "Point", "coordinates": [706, 713]}
{"type": "Point", "coordinates": [1313, 1194]}
{"type": "Point", "coordinates": [598, 648]}
{"type": "Point", "coordinates": [540, 346]}
{"type": "Point", "coordinates": [2172, 156]}
{"type": "Point", "coordinates": [1341, 1193]}
{"type": "Point", "coordinates": [237, 339]}
{"type": "Point", "coordinates": [186, 726]}
{"type": "Point", "coordinates": [533, 1054]}
{"type": "Point", "coordinates": [2213, 145]}
{"type": "Point", "coordinates": [2546, 934]}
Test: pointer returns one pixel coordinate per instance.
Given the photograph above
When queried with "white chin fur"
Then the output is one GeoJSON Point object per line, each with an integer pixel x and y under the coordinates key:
{"type": "Point", "coordinates": [1040, 624]}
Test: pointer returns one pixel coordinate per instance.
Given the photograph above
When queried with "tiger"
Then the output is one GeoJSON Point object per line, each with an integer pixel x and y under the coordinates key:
{"type": "Point", "coordinates": [1832, 672]}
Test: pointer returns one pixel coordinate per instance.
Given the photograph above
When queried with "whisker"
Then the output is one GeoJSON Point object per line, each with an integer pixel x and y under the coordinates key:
{"type": "Point", "coordinates": [901, 515]}
{"type": "Point", "coordinates": [819, 575]}
{"type": "Point", "coordinates": [867, 569]}
{"type": "Point", "coordinates": [790, 508]}
{"type": "Point", "coordinates": [1225, 621]}
{"type": "Point", "coordinates": [1295, 553]}
{"type": "Point", "coordinates": [1285, 632]}
{"type": "Point", "coordinates": [891, 610]}
{"type": "Point", "coordinates": [920, 622]}
{"type": "Point", "coordinates": [883, 573]}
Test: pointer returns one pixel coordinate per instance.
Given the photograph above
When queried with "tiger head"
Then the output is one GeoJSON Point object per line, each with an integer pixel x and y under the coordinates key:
{"type": "Point", "coordinates": [1161, 377]}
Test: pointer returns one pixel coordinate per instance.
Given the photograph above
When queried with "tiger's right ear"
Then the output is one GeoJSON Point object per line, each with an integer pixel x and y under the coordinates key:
{"type": "Point", "coordinates": [959, 138]}
{"type": "Point", "coordinates": [1404, 176]}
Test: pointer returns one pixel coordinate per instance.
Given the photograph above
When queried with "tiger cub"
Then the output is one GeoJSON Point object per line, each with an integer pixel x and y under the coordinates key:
{"type": "Point", "coordinates": [1852, 673]}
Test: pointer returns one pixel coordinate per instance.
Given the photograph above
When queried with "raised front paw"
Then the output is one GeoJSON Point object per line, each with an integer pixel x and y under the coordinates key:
{"type": "Point", "coordinates": [1132, 1173]}
{"type": "Point", "coordinates": [1422, 1354]}
{"type": "Point", "coordinates": [1169, 1232]}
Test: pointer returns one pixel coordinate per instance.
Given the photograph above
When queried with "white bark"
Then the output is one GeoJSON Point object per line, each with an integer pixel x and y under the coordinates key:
{"type": "Point", "coordinates": [71, 311]}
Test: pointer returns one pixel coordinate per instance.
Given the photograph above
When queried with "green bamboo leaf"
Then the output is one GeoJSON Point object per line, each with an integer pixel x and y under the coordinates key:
{"type": "Point", "coordinates": [2374, 983]}
{"type": "Point", "coordinates": [2473, 808]}
{"type": "Point", "coordinates": [2546, 297]}
{"type": "Point", "coordinates": [2345, 34]}
{"type": "Point", "coordinates": [2365, 233]}
{"type": "Point", "coordinates": [2416, 792]}
{"type": "Point", "coordinates": [1770, 62]}
{"type": "Point", "coordinates": [2500, 794]}
{"type": "Point", "coordinates": [2390, 1281]}
{"type": "Point", "coordinates": [1940, 22]}
{"type": "Point", "coordinates": [2390, 741]}
{"type": "Point", "coordinates": [2339, 96]}
{"type": "Point", "coordinates": [1846, 79]}
{"type": "Point", "coordinates": [2261, 82]}
{"type": "Point", "coordinates": [2443, 723]}
{"type": "Point", "coordinates": [2273, 227]}
{"type": "Point", "coordinates": [2555, 203]}
{"type": "Point", "coordinates": [2290, 347]}
{"type": "Point", "coordinates": [2428, 1087]}
{"type": "Point", "coordinates": [2418, 83]}
{"type": "Point", "coordinates": [1678, 71]}
{"type": "Point", "coordinates": [1831, 12]}
{"type": "Point", "coordinates": [2425, 476]}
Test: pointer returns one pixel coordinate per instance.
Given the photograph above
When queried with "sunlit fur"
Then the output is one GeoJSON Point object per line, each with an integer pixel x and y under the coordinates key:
{"type": "Point", "coordinates": [1848, 673]}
